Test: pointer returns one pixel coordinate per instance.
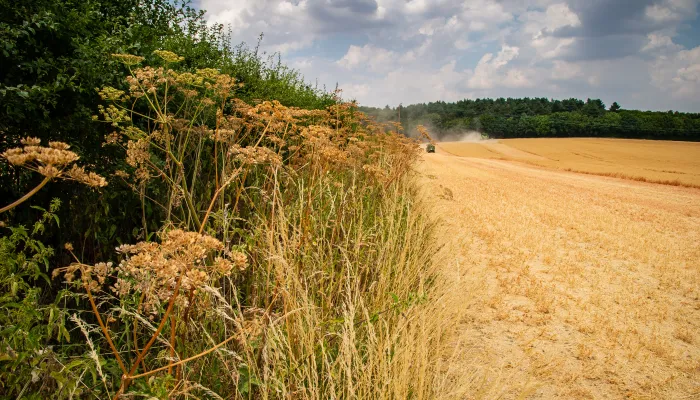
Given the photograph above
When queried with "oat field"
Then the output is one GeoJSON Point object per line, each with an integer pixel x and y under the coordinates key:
{"type": "Point", "coordinates": [675, 163]}
{"type": "Point", "coordinates": [572, 285]}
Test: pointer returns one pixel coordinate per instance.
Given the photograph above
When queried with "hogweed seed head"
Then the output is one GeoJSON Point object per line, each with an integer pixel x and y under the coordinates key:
{"type": "Point", "coordinates": [128, 59]}
{"type": "Point", "coordinates": [51, 161]}
{"type": "Point", "coordinates": [89, 178]}
{"type": "Point", "coordinates": [168, 56]}
{"type": "Point", "coordinates": [30, 141]}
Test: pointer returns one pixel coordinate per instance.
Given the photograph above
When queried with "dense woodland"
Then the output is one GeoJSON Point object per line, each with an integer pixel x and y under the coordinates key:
{"type": "Point", "coordinates": [541, 117]}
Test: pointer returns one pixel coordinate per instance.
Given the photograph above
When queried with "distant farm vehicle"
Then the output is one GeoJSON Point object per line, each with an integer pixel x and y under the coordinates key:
{"type": "Point", "coordinates": [430, 148]}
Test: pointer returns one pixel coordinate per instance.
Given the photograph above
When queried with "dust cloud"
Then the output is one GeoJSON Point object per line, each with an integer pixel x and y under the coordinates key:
{"type": "Point", "coordinates": [453, 135]}
{"type": "Point", "coordinates": [464, 136]}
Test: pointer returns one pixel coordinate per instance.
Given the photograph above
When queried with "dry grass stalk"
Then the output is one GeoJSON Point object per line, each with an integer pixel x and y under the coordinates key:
{"type": "Point", "coordinates": [292, 255]}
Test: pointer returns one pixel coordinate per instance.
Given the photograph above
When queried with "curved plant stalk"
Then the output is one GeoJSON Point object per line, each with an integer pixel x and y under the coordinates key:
{"type": "Point", "coordinates": [103, 327]}
{"type": "Point", "coordinates": [26, 196]}
{"type": "Point", "coordinates": [188, 359]}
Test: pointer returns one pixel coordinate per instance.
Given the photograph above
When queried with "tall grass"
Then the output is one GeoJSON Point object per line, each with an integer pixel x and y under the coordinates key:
{"type": "Point", "coordinates": [290, 256]}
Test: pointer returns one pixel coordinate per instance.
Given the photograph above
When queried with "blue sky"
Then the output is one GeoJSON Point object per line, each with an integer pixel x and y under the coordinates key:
{"type": "Point", "coordinates": [643, 54]}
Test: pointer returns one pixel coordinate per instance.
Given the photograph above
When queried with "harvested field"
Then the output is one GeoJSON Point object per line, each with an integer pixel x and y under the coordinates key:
{"type": "Point", "coordinates": [675, 163]}
{"type": "Point", "coordinates": [575, 286]}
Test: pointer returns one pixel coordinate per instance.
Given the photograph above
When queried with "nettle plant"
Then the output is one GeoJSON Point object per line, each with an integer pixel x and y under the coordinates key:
{"type": "Point", "coordinates": [215, 169]}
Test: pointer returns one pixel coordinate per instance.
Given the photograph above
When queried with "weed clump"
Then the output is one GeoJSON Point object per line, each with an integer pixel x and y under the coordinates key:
{"type": "Point", "coordinates": [281, 248]}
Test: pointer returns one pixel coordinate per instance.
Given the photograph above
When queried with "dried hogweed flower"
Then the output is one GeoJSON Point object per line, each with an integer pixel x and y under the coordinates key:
{"type": "Point", "coordinates": [137, 152]}
{"type": "Point", "coordinates": [111, 94]}
{"type": "Point", "coordinates": [255, 155]}
{"type": "Point", "coordinates": [51, 161]}
{"type": "Point", "coordinates": [59, 145]}
{"type": "Point", "coordinates": [89, 178]}
{"type": "Point", "coordinates": [128, 59]}
{"type": "Point", "coordinates": [153, 269]}
{"type": "Point", "coordinates": [30, 141]}
{"type": "Point", "coordinates": [168, 56]}
{"type": "Point", "coordinates": [223, 266]}
{"type": "Point", "coordinates": [240, 260]}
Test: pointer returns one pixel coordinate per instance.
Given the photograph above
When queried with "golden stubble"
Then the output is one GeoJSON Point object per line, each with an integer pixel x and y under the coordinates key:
{"type": "Point", "coordinates": [667, 162]}
{"type": "Point", "coordinates": [579, 286]}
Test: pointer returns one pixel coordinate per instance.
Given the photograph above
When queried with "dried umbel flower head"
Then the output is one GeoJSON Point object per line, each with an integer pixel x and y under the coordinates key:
{"type": "Point", "coordinates": [92, 277]}
{"type": "Point", "coordinates": [89, 178]}
{"type": "Point", "coordinates": [51, 161]}
{"type": "Point", "coordinates": [30, 141]}
{"type": "Point", "coordinates": [128, 59]}
{"type": "Point", "coordinates": [34, 155]}
{"type": "Point", "coordinates": [168, 56]}
{"type": "Point", "coordinates": [240, 260]}
{"type": "Point", "coordinates": [137, 152]}
{"type": "Point", "coordinates": [255, 155]}
{"type": "Point", "coordinates": [152, 269]}
{"type": "Point", "coordinates": [111, 94]}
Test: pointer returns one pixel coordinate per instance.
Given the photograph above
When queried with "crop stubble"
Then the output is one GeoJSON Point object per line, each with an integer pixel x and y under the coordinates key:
{"type": "Point", "coordinates": [577, 286]}
{"type": "Point", "coordinates": [674, 163]}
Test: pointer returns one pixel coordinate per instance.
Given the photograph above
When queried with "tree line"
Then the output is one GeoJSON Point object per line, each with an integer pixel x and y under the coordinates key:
{"type": "Point", "coordinates": [542, 117]}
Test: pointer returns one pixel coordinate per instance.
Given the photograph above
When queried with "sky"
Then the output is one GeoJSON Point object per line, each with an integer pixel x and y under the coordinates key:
{"type": "Point", "coordinates": [643, 54]}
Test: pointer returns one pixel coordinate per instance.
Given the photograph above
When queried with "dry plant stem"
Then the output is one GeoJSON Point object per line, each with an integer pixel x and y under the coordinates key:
{"type": "Point", "coordinates": [240, 189]}
{"type": "Point", "coordinates": [104, 329]}
{"type": "Point", "coordinates": [223, 186]}
{"type": "Point", "coordinates": [26, 196]}
{"type": "Point", "coordinates": [194, 357]}
{"type": "Point", "coordinates": [143, 211]}
{"type": "Point", "coordinates": [128, 377]}
{"type": "Point", "coordinates": [101, 323]}
{"type": "Point", "coordinates": [172, 344]}
{"type": "Point", "coordinates": [213, 200]}
{"type": "Point", "coordinates": [136, 343]}
{"type": "Point", "coordinates": [190, 297]}
{"type": "Point", "coordinates": [197, 162]}
{"type": "Point", "coordinates": [190, 206]}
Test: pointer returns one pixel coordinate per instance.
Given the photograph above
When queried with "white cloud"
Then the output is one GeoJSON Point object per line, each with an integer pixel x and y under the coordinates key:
{"type": "Point", "coordinates": [480, 15]}
{"type": "Point", "coordinates": [491, 71]}
{"type": "Point", "coordinates": [541, 24]}
{"type": "Point", "coordinates": [563, 71]}
{"type": "Point", "coordinates": [538, 23]}
{"type": "Point", "coordinates": [678, 74]}
{"type": "Point", "coordinates": [672, 10]}
{"type": "Point", "coordinates": [424, 50]}
{"type": "Point", "coordinates": [660, 42]}
{"type": "Point", "coordinates": [368, 56]}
